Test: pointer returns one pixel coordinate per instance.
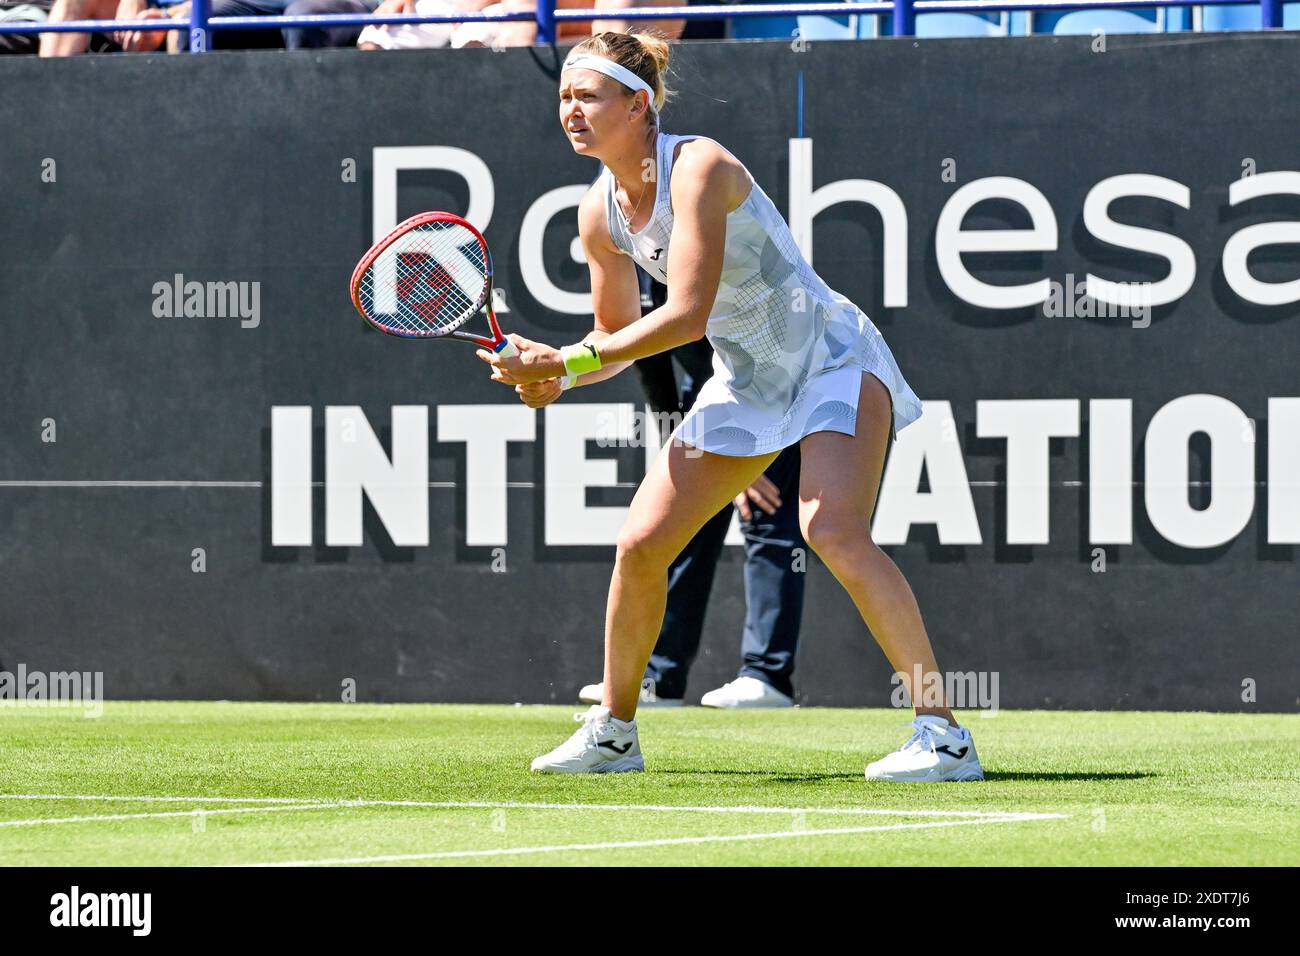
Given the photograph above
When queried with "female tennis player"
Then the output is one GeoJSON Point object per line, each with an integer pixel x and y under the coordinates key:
{"type": "Point", "coordinates": [795, 362]}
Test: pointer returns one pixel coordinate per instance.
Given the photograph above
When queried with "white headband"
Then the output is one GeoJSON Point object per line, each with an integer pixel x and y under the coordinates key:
{"type": "Point", "coordinates": [589, 61]}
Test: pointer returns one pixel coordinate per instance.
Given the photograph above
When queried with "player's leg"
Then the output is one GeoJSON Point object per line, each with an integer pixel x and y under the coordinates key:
{"type": "Point", "coordinates": [839, 480]}
{"type": "Point", "coordinates": [774, 588]}
{"type": "Point", "coordinates": [690, 582]}
{"type": "Point", "coordinates": [683, 489]}
{"type": "Point", "coordinates": [690, 575]}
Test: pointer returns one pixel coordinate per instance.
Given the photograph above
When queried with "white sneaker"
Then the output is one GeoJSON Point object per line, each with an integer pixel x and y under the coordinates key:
{"type": "Point", "coordinates": [602, 745]}
{"type": "Point", "coordinates": [746, 692]}
{"type": "Point", "coordinates": [935, 752]}
{"type": "Point", "coordinates": [595, 694]}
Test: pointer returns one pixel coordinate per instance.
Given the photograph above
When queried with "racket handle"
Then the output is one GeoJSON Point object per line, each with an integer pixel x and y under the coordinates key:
{"type": "Point", "coordinates": [506, 349]}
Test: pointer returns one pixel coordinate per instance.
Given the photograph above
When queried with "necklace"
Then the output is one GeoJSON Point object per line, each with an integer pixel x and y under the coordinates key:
{"type": "Point", "coordinates": [640, 198]}
{"type": "Point", "coordinates": [637, 208]}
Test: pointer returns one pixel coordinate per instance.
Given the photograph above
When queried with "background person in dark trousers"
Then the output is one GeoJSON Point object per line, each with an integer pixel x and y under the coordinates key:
{"type": "Point", "coordinates": [769, 511]}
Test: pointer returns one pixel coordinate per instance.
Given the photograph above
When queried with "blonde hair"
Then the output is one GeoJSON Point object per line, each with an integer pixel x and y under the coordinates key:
{"type": "Point", "coordinates": [645, 54]}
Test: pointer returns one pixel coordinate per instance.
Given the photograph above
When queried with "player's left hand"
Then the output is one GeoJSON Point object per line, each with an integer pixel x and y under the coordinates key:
{"type": "Point", "coordinates": [534, 363]}
{"type": "Point", "coordinates": [539, 394]}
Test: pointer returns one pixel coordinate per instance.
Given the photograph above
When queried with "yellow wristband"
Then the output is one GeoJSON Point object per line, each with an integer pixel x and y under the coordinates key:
{"type": "Point", "coordinates": [580, 358]}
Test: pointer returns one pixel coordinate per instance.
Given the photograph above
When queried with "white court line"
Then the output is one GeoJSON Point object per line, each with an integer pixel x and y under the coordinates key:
{"type": "Point", "coordinates": [197, 811]}
{"type": "Point", "coordinates": [625, 844]}
{"type": "Point", "coordinates": [67, 796]}
{"type": "Point", "coordinates": [310, 802]}
{"type": "Point", "coordinates": [656, 808]}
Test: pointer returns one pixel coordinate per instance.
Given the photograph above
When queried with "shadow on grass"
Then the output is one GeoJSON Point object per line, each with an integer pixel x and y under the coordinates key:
{"type": "Point", "coordinates": [771, 776]}
{"type": "Point", "coordinates": [774, 776]}
{"type": "Point", "coordinates": [1052, 777]}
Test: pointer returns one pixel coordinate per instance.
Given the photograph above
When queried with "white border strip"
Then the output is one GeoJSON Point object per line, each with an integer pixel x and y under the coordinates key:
{"type": "Point", "coordinates": [197, 812]}
{"type": "Point", "coordinates": [314, 802]}
{"type": "Point", "coordinates": [624, 845]}
{"type": "Point", "coordinates": [129, 799]}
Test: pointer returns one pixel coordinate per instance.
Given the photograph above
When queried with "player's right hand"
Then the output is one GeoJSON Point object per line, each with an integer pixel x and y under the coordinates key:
{"type": "Point", "coordinates": [539, 394]}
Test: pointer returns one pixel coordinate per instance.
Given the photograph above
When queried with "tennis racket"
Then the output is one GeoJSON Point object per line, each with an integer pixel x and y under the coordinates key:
{"type": "Point", "coordinates": [426, 279]}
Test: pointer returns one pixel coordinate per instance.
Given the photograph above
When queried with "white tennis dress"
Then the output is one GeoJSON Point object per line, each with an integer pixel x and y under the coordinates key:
{"type": "Point", "coordinates": [789, 351]}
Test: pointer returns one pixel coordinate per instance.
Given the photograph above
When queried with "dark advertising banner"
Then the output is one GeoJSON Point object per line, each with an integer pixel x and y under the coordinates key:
{"type": "Point", "coordinates": [215, 482]}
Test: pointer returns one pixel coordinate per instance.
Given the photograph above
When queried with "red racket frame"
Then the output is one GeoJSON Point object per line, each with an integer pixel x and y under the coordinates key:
{"type": "Point", "coordinates": [498, 343]}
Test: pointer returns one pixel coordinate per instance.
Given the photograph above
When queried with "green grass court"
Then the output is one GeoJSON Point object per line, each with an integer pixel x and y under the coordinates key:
{"type": "Point", "coordinates": [171, 783]}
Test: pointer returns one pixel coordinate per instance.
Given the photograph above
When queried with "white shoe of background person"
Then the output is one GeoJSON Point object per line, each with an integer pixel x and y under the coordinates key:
{"type": "Point", "coordinates": [602, 745]}
{"type": "Point", "coordinates": [934, 753]}
{"type": "Point", "coordinates": [595, 694]}
{"type": "Point", "coordinates": [746, 692]}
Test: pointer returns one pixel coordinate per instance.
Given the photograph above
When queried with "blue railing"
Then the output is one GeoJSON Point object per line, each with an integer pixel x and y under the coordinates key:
{"type": "Point", "coordinates": [902, 12]}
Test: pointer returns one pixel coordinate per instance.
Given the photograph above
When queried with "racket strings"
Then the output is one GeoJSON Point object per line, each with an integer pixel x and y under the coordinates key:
{"type": "Point", "coordinates": [428, 282]}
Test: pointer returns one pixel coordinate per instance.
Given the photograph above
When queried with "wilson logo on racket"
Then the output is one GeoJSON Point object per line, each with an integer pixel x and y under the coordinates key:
{"type": "Point", "coordinates": [426, 279]}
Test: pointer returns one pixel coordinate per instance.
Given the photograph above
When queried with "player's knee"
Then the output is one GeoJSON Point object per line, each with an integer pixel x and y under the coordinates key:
{"type": "Point", "coordinates": [640, 549]}
{"type": "Point", "coordinates": [837, 539]}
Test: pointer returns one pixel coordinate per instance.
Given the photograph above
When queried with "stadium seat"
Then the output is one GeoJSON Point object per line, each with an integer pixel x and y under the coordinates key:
{"type": "Point", "coordinates": [762, 28]}
{"type": "Point", "coordinates": [1215, 19]}
{"type": "Point", "coordinates": [868, 27]}
{"type": "Point", "coordinates": [943, 25]}
{"type": "Point", "coordinates": [826, 28]}
{"type": "Point", "coordinates": [1249, 17]}
{"type": "Point", "coordinates": [1015, 23]}
{"type": "Point", "coordinates": [1084, 22]}
{"type": "Point", "coordinates": [963, 25]}
{"type": "Point", "coordinates": [809, 27]}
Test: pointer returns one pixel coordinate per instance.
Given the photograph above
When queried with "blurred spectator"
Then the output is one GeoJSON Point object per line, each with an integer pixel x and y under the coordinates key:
{"type": "Point", "coordinates": [70, 44]}
{"type": "Point", "coordinates": [668, 29]}
{"type": "Point", "coordinates": [295, 39]}
{"type": "Point", "coordinates": [333, 37]}
{"type": "Point", "coordinates": [22, 11]}
{"type": "Point", "coordinates": [703, 29]}
{"type": "Point", "coordinates": [409, 36]}
{"type": "Point", "coordinates": [292, 39]}
{"type": "Point", "coordinates": [509, 33]}
{"type": "Point", "coordinates": [387, 37]}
